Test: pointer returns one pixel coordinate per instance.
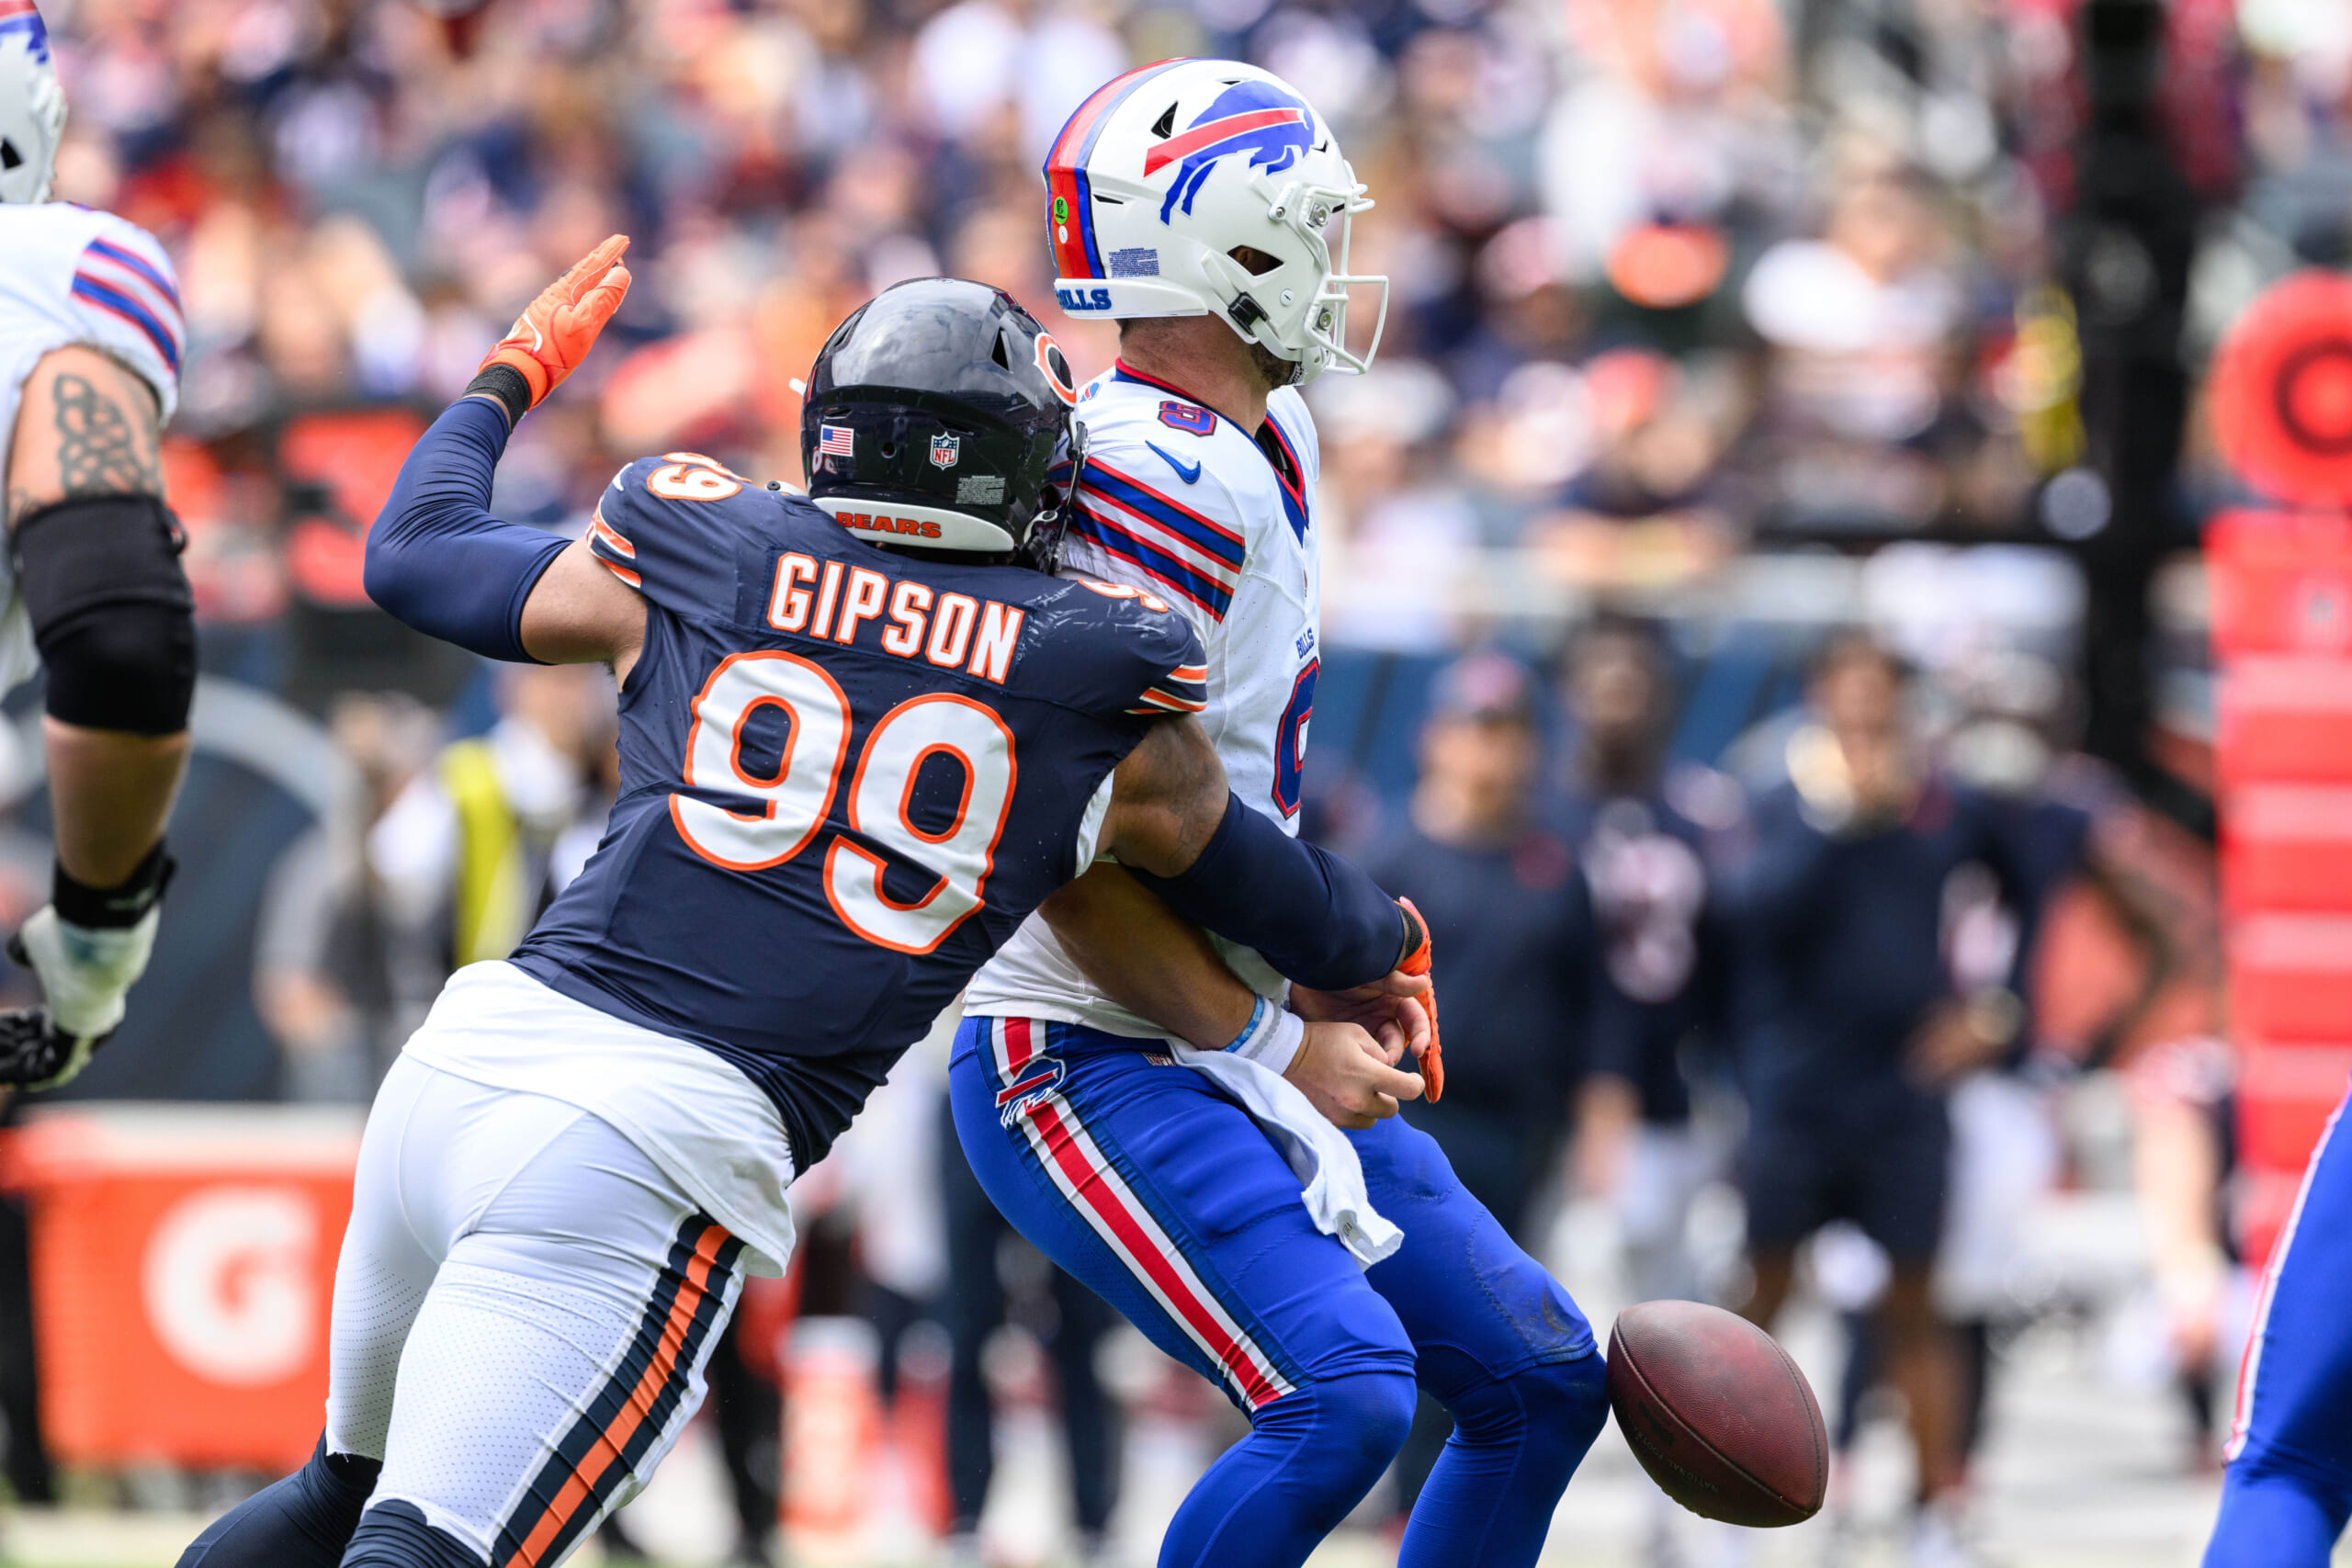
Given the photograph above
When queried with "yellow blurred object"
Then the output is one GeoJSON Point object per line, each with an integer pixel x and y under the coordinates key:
{"type": "Point", "coordinates": [2043, 379]}
{"type": "Point", "coordinates": [491, 914]}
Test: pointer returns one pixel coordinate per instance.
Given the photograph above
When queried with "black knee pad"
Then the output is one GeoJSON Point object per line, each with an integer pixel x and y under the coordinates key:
{"type": "Point", "coordinates": [396, 1536]}
{"type": "Point", "coordinates": [111, 612]}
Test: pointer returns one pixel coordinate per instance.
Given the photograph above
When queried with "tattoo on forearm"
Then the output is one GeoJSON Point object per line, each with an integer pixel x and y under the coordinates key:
{"type": "Point", "coordinates": [100, 449]}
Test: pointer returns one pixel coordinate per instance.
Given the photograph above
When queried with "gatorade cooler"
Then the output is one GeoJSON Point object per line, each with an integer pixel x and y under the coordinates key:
{"type": "Point", "coordinates": [832, 1429]}
{"type": "Point", "coordinates": [183, 1263]}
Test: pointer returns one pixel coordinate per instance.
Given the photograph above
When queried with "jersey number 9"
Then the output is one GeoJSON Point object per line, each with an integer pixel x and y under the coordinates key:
{"type": "Point", "coordinates": [1290, 739]}
{"type": "Point", "coordinates": [881, 793]}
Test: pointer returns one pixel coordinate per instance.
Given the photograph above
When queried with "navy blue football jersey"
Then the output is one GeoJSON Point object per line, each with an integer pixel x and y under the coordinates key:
{"type": "Point", "coordinates": [847, 776]}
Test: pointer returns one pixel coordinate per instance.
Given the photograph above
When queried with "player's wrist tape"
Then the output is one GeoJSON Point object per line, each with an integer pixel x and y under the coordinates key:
{"type": "Point", "coordinates": [117, 907]}
{"type": "Point", "coordinates": [1274, 1045]}
{"type": "Point", "coordinates": [1417, 934]}
{"type": "Point", "coordinates": [1250, 1031]}
{"type": "Point", "coordinates": [508, 386]}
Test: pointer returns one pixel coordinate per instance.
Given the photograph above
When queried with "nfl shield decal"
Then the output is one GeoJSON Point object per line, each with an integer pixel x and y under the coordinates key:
{"type": "Point", "coordinates": [945, 450]}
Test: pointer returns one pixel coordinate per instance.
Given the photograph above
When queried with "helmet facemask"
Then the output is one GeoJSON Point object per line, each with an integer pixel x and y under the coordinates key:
{"type": "Point", "coordinates": [1298, 309]}
{"type": "Point", "coordinates": [32, 112]}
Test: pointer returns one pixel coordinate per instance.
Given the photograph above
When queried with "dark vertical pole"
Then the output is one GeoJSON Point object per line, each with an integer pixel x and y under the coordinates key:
{"type": "Point", "coordinates": [2124, 251]}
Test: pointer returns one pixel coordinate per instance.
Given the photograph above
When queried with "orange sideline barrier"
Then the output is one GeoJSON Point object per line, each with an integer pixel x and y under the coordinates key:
{"type": "Point", "coordinates": [2284, 716]}
{"type": "Point", "coordinates": [183, 1263]}
{"type": "Point", "coordinates": [2286, 847]}
{"type": "Point", "coordinates": [2286, 1093]}
{"type": "Point", "coordinates": [2282, 620]}
{"type": "Point", "coordinates": [2291, 976]}
{"type": "Point", "coordinates": [2281, 582]}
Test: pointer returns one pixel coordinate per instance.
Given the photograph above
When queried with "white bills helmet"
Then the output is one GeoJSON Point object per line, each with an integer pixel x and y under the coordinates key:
{"type": "Point", "coordinates": [32, 105]}
{"type": "Point", "coordinates": [1168, 171]}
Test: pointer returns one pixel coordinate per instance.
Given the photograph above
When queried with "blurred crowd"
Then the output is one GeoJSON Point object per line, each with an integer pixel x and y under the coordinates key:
{"type": "Point", "coordinates": [1748, 317]}
{"type": "Point", "coordinates": [1671, 276]}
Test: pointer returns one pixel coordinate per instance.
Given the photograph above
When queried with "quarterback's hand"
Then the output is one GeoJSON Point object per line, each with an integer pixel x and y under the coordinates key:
{"type": "Point", "coordinates": [556, 330]}
{"type": "Point", "coordinates": [1346, 1075]}
{"type": "Point", "coordinates": [84, 973]}
{"type": "Point", "coordinates": [1387, 1008]}
{"type": "Point", "coordinates": [1417, 962]}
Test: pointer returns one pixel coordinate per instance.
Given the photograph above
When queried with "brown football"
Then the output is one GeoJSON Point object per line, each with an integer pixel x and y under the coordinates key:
{"type": "Point", "coordinates": [1718, 1414]}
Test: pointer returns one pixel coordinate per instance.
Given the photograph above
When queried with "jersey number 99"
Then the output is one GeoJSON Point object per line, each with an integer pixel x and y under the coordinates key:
{"type": "Point", "coordinates": [798, 794]}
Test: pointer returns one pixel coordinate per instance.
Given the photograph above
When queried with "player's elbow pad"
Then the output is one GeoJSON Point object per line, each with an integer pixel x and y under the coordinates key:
{"type": "Point", "coordinates": [110, 611]}
{"type": "Point", "coordinates": [1313, 915]}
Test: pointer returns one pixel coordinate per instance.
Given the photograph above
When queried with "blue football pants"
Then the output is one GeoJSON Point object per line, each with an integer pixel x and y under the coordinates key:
{"type": "Point", "coordinates": [1139, 1177]}
{"type": "Point", "coordinates": [2289, 1488]}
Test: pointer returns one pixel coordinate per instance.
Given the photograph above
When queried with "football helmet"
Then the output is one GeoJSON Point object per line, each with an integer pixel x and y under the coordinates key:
{"type": "Point", "coordinates": [1167, 171]}
{"type": "Point", "coordinates": [32, 105]}
{"type": "Point", "coordinates": [939, 414]}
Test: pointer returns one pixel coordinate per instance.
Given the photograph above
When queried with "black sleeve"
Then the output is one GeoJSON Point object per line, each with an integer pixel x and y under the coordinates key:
{"type": "Point", "coordinates": [436, 558]}
{"type": "Point", "coordinates": [1315, 917]}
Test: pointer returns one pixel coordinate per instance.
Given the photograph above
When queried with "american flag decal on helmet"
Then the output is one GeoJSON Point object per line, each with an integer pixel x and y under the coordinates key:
{"type": "Point", "coordinates": [836, 441]}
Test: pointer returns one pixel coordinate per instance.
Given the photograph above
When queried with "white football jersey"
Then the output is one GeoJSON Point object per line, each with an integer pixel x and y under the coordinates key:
{"type": "Point", "coordinates": [1181, 502]}
{"type": "Point", "coordinates": [71, 275]}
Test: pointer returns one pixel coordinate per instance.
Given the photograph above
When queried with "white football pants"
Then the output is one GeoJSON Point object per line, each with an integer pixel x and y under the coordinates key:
{"type": "Point", "coordinates": [523, 1311]}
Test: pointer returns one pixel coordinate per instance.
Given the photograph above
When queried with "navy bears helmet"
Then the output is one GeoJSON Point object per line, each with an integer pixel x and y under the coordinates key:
{"type": "Point", "coordinates": [939, 414]}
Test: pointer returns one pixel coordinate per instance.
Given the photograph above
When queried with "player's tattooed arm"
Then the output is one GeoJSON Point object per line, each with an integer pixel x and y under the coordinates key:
{"type": "Point", "coordinates": [1167, 799]}
{"type": "Point", "coordinates": [87, 427]}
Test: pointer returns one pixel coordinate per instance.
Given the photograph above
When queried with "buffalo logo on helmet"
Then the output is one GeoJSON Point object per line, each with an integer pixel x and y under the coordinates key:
{"type": "Point", "coordinates": [1257, 117]}
{"type": "Point", "coordinates": [24, 17]}
{"type": "Point", "coordinates": [945, 451]}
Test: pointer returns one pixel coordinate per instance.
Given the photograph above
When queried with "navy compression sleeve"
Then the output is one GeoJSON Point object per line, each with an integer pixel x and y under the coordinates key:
{"type": "Point", "coordinates": [1313, 915]}
{"type": "Point", "coordinates": [437, 559]}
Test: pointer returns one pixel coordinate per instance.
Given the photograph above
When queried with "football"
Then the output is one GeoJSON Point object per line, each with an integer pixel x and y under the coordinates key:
{"type": "Point", "coordinates": [1717, 1413]}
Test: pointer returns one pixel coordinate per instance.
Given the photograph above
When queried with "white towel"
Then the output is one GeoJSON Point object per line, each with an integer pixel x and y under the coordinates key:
{"type": "Point", "coordinates": [1318, 1153]}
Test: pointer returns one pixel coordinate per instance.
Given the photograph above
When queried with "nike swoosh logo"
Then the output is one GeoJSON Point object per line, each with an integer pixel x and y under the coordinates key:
{"type": "Point", "coordinates": [1188, 472]}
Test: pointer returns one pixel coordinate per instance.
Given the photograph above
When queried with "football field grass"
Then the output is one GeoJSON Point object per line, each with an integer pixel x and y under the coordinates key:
{"type": "Point", "coordinates": [2078, 1474]}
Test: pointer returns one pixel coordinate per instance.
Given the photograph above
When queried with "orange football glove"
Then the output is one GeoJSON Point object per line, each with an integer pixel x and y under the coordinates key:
{"type": "Point", "coordinates": [1418, 962]}
{"type": "Point", "coordinates": [556, 330]}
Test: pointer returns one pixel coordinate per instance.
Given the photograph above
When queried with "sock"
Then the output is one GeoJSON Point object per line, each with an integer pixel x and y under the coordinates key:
{"type": "Point", "coordinates": [396, 1536]}
{"type": "Point", "coordinates": [1515, 1441]}
{"type": "Point", "coordinates": [1310, 1457]}
{"type": "Point", "coordinates": [304, 1521]}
